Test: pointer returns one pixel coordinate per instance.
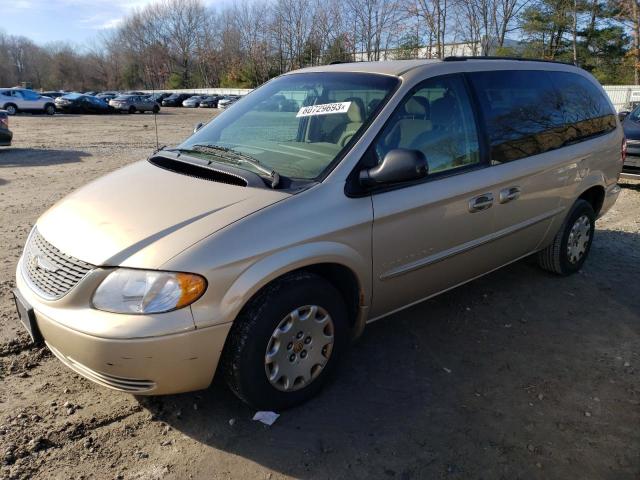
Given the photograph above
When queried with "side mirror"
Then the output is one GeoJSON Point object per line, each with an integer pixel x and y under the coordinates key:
{"type": "Point", "coordinates": [198, 126]}
{"type": "Point", "coordinates": [398, 165]}
{"type": "Point", "coordinates": [623, 114]}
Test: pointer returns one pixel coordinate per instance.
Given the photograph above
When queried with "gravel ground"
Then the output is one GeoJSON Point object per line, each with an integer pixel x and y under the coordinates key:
{"type": "Point", "coordinates": [517, 375]}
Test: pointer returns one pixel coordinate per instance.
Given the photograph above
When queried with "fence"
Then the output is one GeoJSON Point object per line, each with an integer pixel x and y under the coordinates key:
{"type": "Point", "coordinates": [621, 95]}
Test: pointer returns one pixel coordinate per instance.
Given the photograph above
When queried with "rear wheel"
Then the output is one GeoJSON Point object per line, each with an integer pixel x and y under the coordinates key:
{"type": "Point", "coordinates": [156, 109]}
{"type": "Point", "coordinates": [11, 109]}
{"type": "Point", "coordinates": [132, 109]}
{"type": "Point", "coordinates": [572, 243]}
{"type": "Point", "coordinates": [286, 341]}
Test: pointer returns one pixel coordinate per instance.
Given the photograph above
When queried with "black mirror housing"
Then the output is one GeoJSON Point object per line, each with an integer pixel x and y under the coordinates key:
{"type": "Point", "coordinates": [198, 126]}
{"type": "Point", "coordinates": [398, 165]}
{"type": "Point", "coordinates": [623, 114]}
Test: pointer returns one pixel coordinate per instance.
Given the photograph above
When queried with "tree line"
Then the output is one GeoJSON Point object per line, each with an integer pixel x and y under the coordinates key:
{"type": "Point", "coordinates": [184, 44]}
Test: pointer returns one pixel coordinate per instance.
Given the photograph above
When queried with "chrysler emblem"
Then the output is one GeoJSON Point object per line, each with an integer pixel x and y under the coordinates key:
{"type": "Point", "coordinates": [41, 263]}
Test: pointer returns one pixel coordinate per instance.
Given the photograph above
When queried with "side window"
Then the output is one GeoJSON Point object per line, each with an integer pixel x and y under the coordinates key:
{"type": "Point", "coordinates": [586, 110]}
{"type": "Point", "coordinates": [522, 112]}
{"type": "Point", "coordinates": [438, 120]}
{"type": "Point", "coordinates": [30, 95]}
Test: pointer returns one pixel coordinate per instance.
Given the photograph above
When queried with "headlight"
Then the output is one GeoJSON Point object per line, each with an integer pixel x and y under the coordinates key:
{"type": "Point", "coordinates": [147, 291]}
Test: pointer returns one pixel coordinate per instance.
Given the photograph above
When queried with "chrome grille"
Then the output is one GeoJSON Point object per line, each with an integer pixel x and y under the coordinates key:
{"type": "Point", "coordinates": [50, 272]}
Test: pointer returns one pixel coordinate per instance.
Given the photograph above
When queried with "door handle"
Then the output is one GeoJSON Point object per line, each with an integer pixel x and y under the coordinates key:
{"type": "Point", "coordinates": [481, 202]}
{"type": "Point", "coordinates": [509, 194]}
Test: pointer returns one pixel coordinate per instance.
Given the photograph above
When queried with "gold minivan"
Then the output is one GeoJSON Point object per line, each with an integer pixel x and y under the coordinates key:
{"type": "Point", "coordinates": [325, 199]}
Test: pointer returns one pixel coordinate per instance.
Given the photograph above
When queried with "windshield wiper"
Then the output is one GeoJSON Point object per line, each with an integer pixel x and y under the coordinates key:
{"type": "Point", "coordinates": [237, 158]}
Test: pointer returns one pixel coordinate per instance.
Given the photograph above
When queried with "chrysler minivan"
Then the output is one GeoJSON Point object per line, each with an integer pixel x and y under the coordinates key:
{"type": "Point", "coordinates": [267, 240]}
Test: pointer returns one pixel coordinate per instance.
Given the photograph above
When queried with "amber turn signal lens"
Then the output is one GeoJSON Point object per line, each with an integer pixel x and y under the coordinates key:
{"type": "Point", "coordinates": [192, 286]}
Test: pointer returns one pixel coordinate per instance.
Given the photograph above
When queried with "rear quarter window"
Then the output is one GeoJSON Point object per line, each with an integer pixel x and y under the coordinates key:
{"type": "Point", "coordinates": [586, 110]}
{"type": "Point", "coordinates": [531, 112]}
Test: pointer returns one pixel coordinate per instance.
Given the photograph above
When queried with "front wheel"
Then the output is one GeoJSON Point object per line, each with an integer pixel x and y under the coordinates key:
{"type": "Point", "coordinates": [156, 109]}
{"type": "Point", "coordinates": [286, 341]}
{"type": "Point", "coordinates": [572, 243]}
{"type": "Point", "coordinates": [11, 109]}
{"type": "Point", "coordinates": [49, 109]}
{"type": "Point", "coordinates": [132, 109]}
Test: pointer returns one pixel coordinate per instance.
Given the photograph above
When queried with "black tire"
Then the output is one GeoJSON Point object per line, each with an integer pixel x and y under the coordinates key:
{"type": "Point", "coordinates": [156, 109]}
{"type": "Point", "coordinates": [243, 358]}
{"type": "Point", "coordinates": [11, 108]}
{"type": "Point", "coordinates": [50, 109]}
{"type": "Point", "coordinates": [555, 258]}
{"type": "Point", "coordinates": [132, 109]}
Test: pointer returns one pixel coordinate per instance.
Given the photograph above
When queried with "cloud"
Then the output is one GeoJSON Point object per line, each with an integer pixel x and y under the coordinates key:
{"type": "Point", "coordinates": [113, 23]}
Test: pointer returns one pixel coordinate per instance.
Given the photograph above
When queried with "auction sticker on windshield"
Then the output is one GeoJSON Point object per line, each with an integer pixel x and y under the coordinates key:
{"type": "Point", "coordinates": [324, 109]}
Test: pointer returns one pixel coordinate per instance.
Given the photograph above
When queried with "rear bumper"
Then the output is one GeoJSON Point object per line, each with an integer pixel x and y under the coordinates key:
{"type": "Point", "coordinates": [633, 157]}
{"type": "Point", "coordinates": [5, 138]}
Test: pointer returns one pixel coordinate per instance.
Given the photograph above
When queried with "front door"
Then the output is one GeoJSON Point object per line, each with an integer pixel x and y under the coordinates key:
{"type": "Point", "coordinates": [435, 234]}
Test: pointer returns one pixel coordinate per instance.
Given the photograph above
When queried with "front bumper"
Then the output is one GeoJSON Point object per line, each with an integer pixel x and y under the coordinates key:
{"type": "Point", "coordinates": [149, 365]}
{"type": "Point", "coordinates": [145, 366]}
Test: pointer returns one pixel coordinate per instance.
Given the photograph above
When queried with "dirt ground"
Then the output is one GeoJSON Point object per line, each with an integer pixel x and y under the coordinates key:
{"type": "Point", "coordinates": [518, 375]}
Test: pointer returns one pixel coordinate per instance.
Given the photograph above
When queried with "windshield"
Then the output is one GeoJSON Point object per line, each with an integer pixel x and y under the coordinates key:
{"type": "Point", "coordinates": [297, 125]}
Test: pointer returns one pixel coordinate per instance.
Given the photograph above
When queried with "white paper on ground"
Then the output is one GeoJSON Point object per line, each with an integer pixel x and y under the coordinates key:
{"type": "Point", "coordinates": [266, 417]}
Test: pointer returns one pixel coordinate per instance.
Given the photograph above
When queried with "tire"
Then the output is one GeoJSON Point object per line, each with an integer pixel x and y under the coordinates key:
{"type": "Point", "coordinates": [558, 257]}
{"type": "Point", "coordinates": [244, 356]}
{"type": "Point", "coordinates": [50, 109]}
{"type": "Point", "coordinates": [132, 109]}
{"type": "Point", "coordinates": [156, 109]}
{"type": "Point", "coordinates": [11, 109]}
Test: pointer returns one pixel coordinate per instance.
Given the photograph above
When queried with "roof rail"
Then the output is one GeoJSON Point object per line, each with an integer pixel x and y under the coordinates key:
{"type": "Point", "coordinates": [463, 58]}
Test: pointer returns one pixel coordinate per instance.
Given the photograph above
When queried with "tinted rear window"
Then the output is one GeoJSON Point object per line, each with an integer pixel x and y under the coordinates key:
{"type": "Point", "coordinates": [531, 112]}
{"type": "Point", "coordinates": [587, 112]}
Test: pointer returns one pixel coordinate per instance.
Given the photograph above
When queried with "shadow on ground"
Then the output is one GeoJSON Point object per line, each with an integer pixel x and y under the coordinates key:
{"type": "Point", "coordinates": [520, 374]}
{"type": "Point", "coordinates": [35, 157]}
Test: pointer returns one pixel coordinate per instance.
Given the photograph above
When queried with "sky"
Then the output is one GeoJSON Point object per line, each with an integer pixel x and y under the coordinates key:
{"type": "Point", "coordinates": [78, 22]}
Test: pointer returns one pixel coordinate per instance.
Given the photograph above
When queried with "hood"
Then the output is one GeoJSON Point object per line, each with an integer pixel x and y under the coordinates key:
{"type": "Point", "coordinates": [141, 216]}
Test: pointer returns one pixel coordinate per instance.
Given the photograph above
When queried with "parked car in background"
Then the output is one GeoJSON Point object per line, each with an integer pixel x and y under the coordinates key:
{"type": "Point", "coordinates": [80, 103]}
{"type": "Point", "coordinates": [210, 101]}
{"type": "Point", "coordinates": [134, 92]}
{"type": "Point", "coordinates": [5, 133]}
{"type": "Point", "coordinates": [15, 100]}
{"type": "Point", "coordinates": [134, 103]}
{"type": "Point", "coordinates": [53, 94]}
{"type": "Point", "coordinates": [227, 101]}
{"type": "Point", "coordinates": [631, 126]}
{"type": "Point", "coordinates": [106, 96]}
{"type": "Point", "coordinates": [175, 99]}
{"type": "Point", "coordinates": [279, 103]}
{"type": "Point", "coordinates": [158, 97]}
{"type": "Point", "coordinates": [193, 102]}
